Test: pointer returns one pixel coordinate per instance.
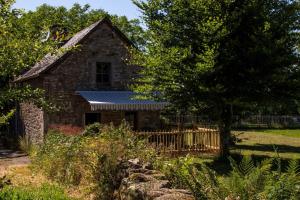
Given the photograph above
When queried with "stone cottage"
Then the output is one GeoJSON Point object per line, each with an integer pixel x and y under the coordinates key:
{"type": "Point", "coordinates": [89, 85]}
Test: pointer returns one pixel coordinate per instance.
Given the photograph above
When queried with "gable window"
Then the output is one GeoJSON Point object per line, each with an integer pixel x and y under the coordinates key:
{"type": "Point", "coordinates": [103, 73]}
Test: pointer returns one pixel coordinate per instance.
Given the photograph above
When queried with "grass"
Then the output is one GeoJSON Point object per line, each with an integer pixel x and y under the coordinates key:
{"type": "Point", "coordinates": [265, 142]}
{"type": "Point", "coordinates": [260, 144]}
{"type": "Point", "coordinates": [285, 132]}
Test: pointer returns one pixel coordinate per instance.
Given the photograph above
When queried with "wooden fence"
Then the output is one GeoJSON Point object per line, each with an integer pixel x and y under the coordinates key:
{"type": "Point", "coordinates": [205, 140]}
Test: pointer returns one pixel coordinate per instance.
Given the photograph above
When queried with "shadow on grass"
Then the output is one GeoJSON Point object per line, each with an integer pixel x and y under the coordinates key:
{"type": "Point", "coordinates": [268, 147]}
{"type": "Point", "coordinates": [222, 166]}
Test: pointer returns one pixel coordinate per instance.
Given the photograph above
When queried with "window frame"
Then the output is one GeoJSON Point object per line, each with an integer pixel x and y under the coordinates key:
{"type": "Point", "coordinates": [103, 73]}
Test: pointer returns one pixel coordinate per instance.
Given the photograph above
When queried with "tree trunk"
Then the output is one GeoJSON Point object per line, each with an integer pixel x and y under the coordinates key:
{"type": "Point", "coordinates": [225, 130]}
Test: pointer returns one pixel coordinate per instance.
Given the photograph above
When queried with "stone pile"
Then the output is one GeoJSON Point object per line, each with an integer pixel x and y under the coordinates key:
{"type": "Point", "coordinates": [144, 183]}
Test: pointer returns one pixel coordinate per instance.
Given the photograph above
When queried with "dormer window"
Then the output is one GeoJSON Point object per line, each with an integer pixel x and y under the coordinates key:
{"type": "Point", "coordinates": [103, 73]}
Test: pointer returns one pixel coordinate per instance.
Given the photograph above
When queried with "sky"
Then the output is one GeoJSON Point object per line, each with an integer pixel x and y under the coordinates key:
{"type": "Point", "coordinates": [119, 7]}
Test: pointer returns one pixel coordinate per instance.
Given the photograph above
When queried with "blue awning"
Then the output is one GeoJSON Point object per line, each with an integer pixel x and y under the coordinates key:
{"type": "Point", "coordinates": [119, 100]}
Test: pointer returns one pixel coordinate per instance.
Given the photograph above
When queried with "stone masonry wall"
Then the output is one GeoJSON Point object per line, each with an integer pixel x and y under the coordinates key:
{"type": "Point", "coordinates": [144, 183]}
{"type": "Point", "coordinates": [33, 122]}
{"type": "Point", "coordinates": [78, 72]}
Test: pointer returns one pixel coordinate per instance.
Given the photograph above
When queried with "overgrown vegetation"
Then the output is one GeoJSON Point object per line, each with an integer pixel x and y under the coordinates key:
{"type": "Point", "coordinates": [246, 181]}
{"type": "Point", "coordinates": [93, 161]}
{"type": "Point", "coordinates": [45, 192]}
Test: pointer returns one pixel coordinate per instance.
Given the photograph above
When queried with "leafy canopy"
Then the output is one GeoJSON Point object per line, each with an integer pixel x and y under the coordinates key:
{"type": "Point", "coordinates": [220, 56]}
{"type": "Point", "coordinates": [211, 54]}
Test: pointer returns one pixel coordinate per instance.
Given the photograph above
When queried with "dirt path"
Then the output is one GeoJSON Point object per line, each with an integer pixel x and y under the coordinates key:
{"type": "Point", "coordinates": [9, 158]}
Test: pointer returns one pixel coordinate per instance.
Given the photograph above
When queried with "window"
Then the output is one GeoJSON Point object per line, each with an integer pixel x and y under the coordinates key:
{"type": "Point", "coordinates": [91, 118]}
{"type": "Point", "coordinates": [103, 73]}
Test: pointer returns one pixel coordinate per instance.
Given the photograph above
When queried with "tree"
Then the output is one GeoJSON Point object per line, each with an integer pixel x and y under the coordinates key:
{"type": "Point", "coordinates": [18, 51]}
{"type": "Point", "coordinates": [213, 56]}
{"type": "Point", "coordinates": [77, 18]}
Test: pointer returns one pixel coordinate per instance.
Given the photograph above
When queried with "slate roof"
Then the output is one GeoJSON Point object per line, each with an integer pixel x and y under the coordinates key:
{"type": "Point", "coordinates": [119, 100]}
{"type": "Point", "coordinates": [50, 59]}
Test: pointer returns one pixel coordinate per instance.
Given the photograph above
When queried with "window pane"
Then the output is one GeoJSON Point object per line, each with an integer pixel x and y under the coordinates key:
{"type": "Point", "coordinates": [99, 78]}
{"type": "Point", "coordinates": [103, 72]}
{"type": "Point", "coordinates": [105, 78]}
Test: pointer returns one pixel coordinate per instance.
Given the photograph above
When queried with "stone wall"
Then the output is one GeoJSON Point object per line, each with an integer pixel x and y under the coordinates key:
{"type": "Point", "coordinates": [32, 119]}
{"type": "Point", "coordinates": [144, 183]}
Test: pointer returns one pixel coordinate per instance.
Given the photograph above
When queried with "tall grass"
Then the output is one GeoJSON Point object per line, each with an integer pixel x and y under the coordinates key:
{"type": "Point", "coordinates": [90, 160]}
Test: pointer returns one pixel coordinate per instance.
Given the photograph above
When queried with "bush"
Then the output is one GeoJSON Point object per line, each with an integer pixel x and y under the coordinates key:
{"type": "Point", "coordinates": [245, 181]}
{"type": "Point", "coordinates": [90, 160]}
{"type": "Point", "coordinates": [93, 130]}
{"type": "Point", "coordinates": [45, 192]}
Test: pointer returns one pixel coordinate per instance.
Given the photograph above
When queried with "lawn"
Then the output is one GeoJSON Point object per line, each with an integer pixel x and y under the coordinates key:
{"type": "Point", "coordinates": [264, 143]}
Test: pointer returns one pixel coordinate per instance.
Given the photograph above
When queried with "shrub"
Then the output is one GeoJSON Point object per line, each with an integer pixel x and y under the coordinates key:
{"type": "Point", "coordinates": [245, 181]}
{"type": "Point", "coordinates": [90, 160]}
{"type": "Point", "coordinates": [45, 192]}
{"type": "Point", "coordinates": [93, 129]}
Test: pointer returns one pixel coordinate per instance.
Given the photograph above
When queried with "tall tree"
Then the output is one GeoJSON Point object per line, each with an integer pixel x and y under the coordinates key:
{"type": "Point", "coordinates": [212, 56]}
{"type": "Point", "coordinates": [18, 51]}
{"type": "Point", "coordinates": [75, 19]}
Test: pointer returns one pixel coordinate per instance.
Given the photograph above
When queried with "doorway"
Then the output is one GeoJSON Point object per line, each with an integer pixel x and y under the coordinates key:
{"type": "Point", "coordinates": [131, 119]}
{"type": "Point", "coordinates": [91, 118]}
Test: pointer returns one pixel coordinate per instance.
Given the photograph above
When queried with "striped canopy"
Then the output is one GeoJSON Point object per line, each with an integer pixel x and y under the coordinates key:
{"type": "Point", "coordinates": [119, 100]}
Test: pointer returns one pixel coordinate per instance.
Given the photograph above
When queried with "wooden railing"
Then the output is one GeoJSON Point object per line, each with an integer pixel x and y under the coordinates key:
{"type": "Point", "coordinates": [199, 140]}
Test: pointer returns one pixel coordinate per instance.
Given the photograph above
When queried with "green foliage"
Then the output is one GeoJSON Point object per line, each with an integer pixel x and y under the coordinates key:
{"type": "Point", "coordinates": [93, 129]}
{"type": "Point", "coordinates": [94, 161]}
{"type": "Point", "coordinates": [75, 19]}
{"type": "Point", "coordinates": [246, 181]}
{"type": "Point", "coordinates": [5, 118]}
{"type": "Point", "coordinates": [45, 192]}
{"type": "Point", "coordinates": [19, 51]}
{"type": "Point", "coordinates": [220, 56]}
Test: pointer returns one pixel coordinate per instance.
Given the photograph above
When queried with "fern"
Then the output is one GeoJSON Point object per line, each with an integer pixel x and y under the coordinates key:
{"type": "Point", "coordinates": [246, 181]}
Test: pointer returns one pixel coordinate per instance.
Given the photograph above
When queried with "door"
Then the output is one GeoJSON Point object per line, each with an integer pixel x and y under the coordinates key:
{"type": "Point", "coordinates": [131, 119]}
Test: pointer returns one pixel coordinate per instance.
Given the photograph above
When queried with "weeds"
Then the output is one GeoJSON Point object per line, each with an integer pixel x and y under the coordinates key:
{"type": "Point", "coordinates": [25, 144]}
{"type": "Point", "coordinates": [90, 160]}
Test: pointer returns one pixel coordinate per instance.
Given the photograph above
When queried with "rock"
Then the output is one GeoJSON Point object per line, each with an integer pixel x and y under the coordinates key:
{"type": "Point", "coordinates": [144, 183]}
{"type": "Point", "coordinates": [175, 196]}
{"type": "Point", "coordinates": [135, 161]}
